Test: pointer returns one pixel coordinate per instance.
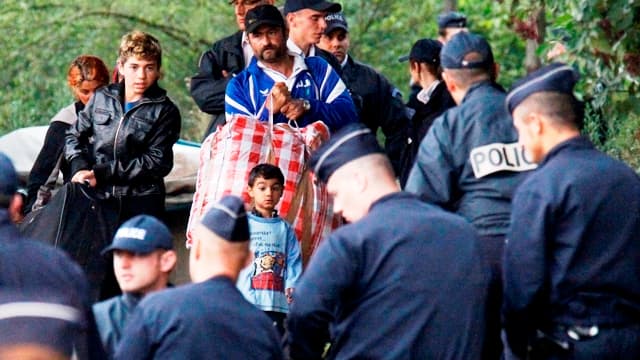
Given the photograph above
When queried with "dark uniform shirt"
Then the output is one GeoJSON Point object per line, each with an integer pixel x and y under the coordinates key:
{"type": "Point", "coordinates": [208, 320]}
{"type": "Point", "coordinates": [469, 162]}
{"type": "Point", "coordinates": [111, 317]}
{"type": "Point", "coordinates": [573, 250]}
{"type": "Point", "coordinates": [404, 282]}
{"type": "Point", "coordinates": [29, 265]}
{"type": "Point", "coordinates": [381, 107]}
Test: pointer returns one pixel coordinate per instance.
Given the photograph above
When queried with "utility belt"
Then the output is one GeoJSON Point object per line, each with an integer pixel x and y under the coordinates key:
{"type": "Point", "coordinates": [581, 321]}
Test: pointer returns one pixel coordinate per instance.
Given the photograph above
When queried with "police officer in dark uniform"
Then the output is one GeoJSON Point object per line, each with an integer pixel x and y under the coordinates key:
{"type": "Point", "coordinates": [401, 281]}
{"type": "Point", "coordinates": [572, 259]}
{"type": "Point", "coordinates": [381, 106]}
{"type": "Point", "coordinates": [38, 324]}
{"type": "Point", "coordinates": [470, 162]}
{"type": "Point", "coordinates": [34, 268]}
{"type": "Point", "coordinates": [449, 24]}
{"type": "Point", "coordinates": [209, 319]}
{"type": "Point", "coordinates": [227, 57]}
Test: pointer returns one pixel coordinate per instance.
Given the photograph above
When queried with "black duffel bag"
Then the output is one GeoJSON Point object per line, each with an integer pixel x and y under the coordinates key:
{"type": "Point", "coordinates": [77, 221]}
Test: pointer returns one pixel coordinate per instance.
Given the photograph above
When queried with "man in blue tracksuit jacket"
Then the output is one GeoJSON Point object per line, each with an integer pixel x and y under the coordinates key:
{"type": "Point", "coordinates": [304, 90]}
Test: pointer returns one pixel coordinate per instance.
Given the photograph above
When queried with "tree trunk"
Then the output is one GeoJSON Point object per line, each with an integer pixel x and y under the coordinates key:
{"type": "Point", "coordinates": [532, 61]}
{"type": "Point", "coordinates": [449, 5]}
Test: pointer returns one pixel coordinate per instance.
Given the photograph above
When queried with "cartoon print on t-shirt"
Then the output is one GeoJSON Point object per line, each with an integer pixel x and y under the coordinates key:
{"type": "Point", "coordinates": [269, 271]}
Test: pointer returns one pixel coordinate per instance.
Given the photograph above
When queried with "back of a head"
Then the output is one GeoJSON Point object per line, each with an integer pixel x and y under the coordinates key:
{"type": "Point", "coordinates": [221, 236]}
{"type": "Point", "coordinates": [468, 58]}
{"type": "Point", "coordinates": [549, 91]}
{"type": "Point", "coordinates": [139, 44]}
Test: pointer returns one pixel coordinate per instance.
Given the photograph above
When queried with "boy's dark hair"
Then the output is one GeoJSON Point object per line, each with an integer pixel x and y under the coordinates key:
{"type": "Point", "coordinates": [266, 171]}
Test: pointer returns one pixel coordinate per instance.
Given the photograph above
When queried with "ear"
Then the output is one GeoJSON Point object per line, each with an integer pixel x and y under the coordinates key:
{"type": "Point", "coordinates": [168, 261]}
{"type": "Point", "coordinates": [290, 17]}
{"type": "Point", "coordinates": [360, 182]}
{"type": "Point", "coordinates": [496, 71]}
{"type": "Point", "coordinates": [451, 86]}
{"type": "Point", "coordinates": [196, 249]}
{"type": "Point", "coordinates": [15, 208]}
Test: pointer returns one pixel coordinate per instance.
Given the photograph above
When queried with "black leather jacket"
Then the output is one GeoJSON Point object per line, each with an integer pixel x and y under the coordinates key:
{"type": "Point", "coordinates": [132, 152]}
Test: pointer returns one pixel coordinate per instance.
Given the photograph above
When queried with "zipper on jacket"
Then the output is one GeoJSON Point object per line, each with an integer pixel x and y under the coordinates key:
{"type": "Point", "coordinates": [121, 121]}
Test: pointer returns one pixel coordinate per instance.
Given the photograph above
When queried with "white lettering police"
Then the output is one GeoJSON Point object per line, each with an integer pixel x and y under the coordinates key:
{"type": "Point", "coordinates": [495, 157]}
{"type": "Point", "coordinates": [131, 233]}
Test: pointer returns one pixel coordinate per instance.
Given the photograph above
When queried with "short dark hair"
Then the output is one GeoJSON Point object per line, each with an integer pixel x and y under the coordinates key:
{"type": "Point", "coordinates": [562, 109]}
{"type": "Point", "coordinates": [266, 171]}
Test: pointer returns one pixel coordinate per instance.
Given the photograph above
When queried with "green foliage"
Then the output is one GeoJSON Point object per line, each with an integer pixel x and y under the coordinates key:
{"type": "Point", "coordinates": [602, 39]}
{"type": "Point", "coordinates": [41, 37]}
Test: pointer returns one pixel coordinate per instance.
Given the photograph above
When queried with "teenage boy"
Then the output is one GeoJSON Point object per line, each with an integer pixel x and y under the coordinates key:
{"type": "Point", "coordinates": [269, 281]}
{"type": "Point", "coordinates": [143, 258]}
{"type": "Point", "coordinates": [133, 125]}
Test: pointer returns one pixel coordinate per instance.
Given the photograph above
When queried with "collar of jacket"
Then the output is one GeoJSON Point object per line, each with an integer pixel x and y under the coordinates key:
{"type": "Point", "coordinates": [577, 142]}
{"type": "Point", "coordinates": [472, 92]}
{"type": "Point", "coordinates": [154, 92]}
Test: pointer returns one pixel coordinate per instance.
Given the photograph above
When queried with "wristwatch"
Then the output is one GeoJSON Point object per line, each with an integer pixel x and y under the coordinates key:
{"type": "Point", "coordinates": [306, 105]}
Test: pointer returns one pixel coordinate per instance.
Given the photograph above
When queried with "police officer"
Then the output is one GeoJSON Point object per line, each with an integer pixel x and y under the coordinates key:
{"type": "Point", "coordinates": [143, 258]}
{"type": "Point", "coordinates": [387, 285]}
{"type": "Point", "coordinates": [29, 267]}
{"type": "Point", "coordinates": [38, 324]}
{"type": "Point", "coordinates": [470, 162]}
{"type": "Point", "coordinates": [209, 319]}
{"type": "Point", "coordinates": [381, 105]}
{"type": "Point", "coordinates": [572, 260]}
{"type": "Point", "coordinates": [449, 24]}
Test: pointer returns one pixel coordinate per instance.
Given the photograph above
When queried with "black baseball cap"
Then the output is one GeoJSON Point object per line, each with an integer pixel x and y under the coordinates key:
{"type": "Point", "coordinates": [424, 51]}
{"type": "Point", "coordinates": [318, 5]}
{"type": "Point", "coordinates": [335, 21]}
{"type": "Point", "coordinates": [262, 15]}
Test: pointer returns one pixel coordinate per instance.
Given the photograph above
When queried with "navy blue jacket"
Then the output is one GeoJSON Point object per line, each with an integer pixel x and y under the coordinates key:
{"type": "Point", "coordinates": [34, 266]}
{"type": "Point", "coordinates": [453, 169]}
{"type": "Point", "coordinates": [404, 282]}
{"type": "Point", "coordinates": [573, 250]}
{"type": "Point", "coordinates": [112, 316]}
{"type": "Point", "coordinates": [208, 320]}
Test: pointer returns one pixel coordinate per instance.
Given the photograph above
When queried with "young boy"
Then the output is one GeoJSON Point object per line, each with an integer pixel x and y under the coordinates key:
{"type": "Point", "coordinates": [134, 126]}
{"type": "Point", "coordinates": [269, 281]}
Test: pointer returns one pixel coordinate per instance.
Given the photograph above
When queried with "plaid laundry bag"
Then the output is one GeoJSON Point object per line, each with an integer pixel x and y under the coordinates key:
{"type": "Point", "coordinates": [228, 154]}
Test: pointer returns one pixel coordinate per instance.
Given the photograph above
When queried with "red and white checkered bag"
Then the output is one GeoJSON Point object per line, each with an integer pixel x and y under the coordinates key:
{"type": "Point", "coordinates": [228, 155]}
